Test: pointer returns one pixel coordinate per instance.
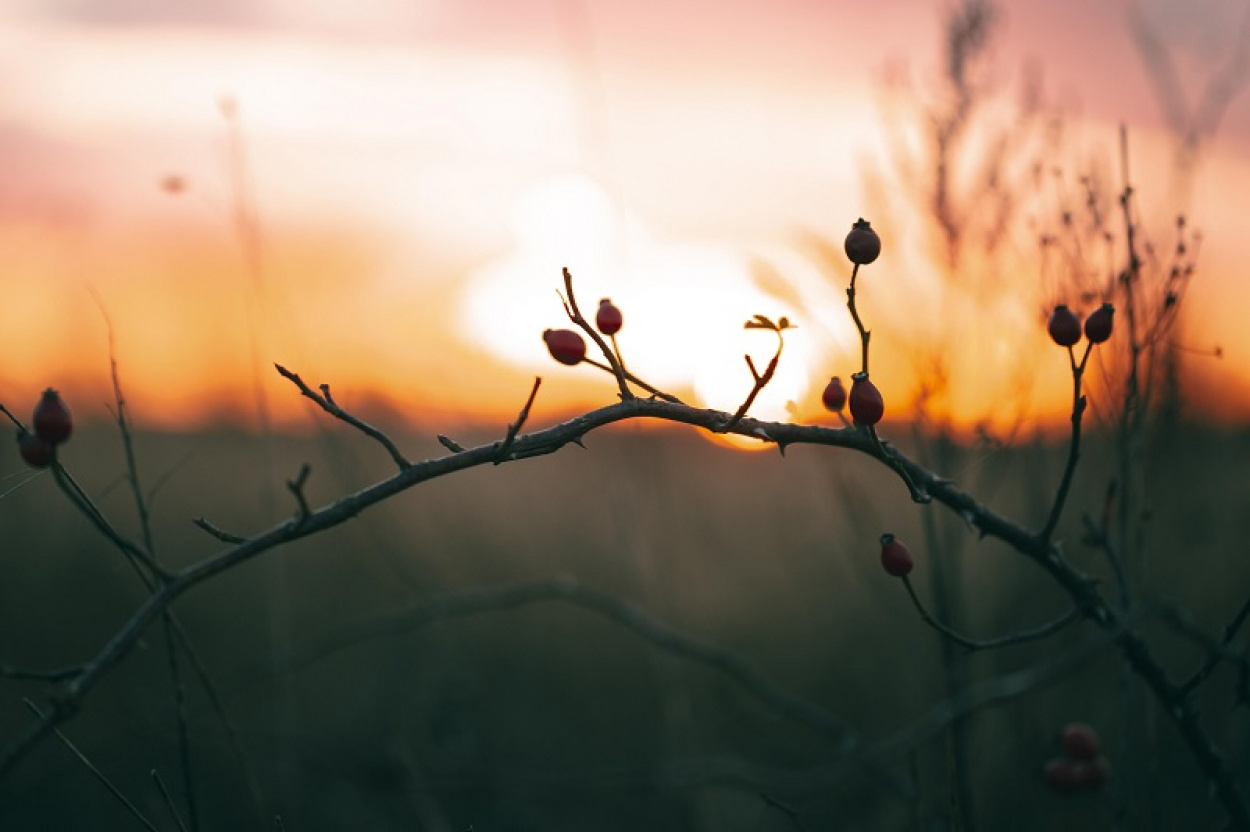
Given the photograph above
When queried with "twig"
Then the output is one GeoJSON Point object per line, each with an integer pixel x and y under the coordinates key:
{"type": "Point", "coordinates": [575, 315]}
{"type": "Point", "coordinates": [70, 487]}
{"type": "Point", "coordinates": [760, 382]}
{"type": "Point", "coordinates": [1074, 444]}
{"type": "Point", "coordinates": [296, 487]}
{"type": "Point", "coordinates": [633, 379]}
{"type": "Point", "coordinates": [169, 801]}
{"type": "Point", "coordinates": [149, 546]}
{"type": "Point", "coordinates": [516, 425]}
{"type": "Point", "coordinates": [326, 402]}
{"type": "Point", "coordinates": [864, 334]}
{"type": "Point", "coordinates": [8, 671]}
{"type": "Point", "coordinates": [1009, 640]}
{"type": "Point", "coordinates": [998, 691]}
{"type": "Point", "coordinates": [1218, 650]}
{"type": "Point", "coordinates": [618, 610]}
{"type": "Point", "coordinates": [82, 758]}
{"type": "Point", "coordinates": [789, 811]}
{"type": "Point", "coordinates": [16, 421]}
{"type": "Point", "coordinates": [218, 532]}
{"type": "Point", "coordinates": [450, 444]}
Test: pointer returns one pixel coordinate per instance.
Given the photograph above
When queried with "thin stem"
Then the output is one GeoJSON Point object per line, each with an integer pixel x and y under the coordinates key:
{"type": "Point", "coordinates": [169, 801]}
{"type": "Point", "coordinates": [99, 775]}
{"type": "Point", "coordinates": [1218, 653]}
{"type": "Point", "coordinates": [659, 394]}
{"type": "Point", "coordinates": [326, 402]}
{"type": "Point", "coordinates": [72, 490]}
{"type": "Point", "coordinates": [760, 381]}
{"type": "Point", "coordinates": [1009, 640]}
{"type": "Point", "coordinates": [864, 334]}
{"type": "Point", "coordinates": [515, 426]}
{"type": "Point", "coordinates": [1074, 445]}
{"type": "Point", "coordinates": [575, 315]}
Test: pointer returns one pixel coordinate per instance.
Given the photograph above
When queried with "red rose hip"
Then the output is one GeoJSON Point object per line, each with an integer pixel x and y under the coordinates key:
{"type": "Point", "coordinates": [35, 452]}
{"type": "Point", "coordinates": [565, 346]}
{"type": "Point", "coordinates": [608, 319]}
{"type": "Point", "coordinates": [1098, 324]}
{"type": "Point", "coordinates": [1064, 326]}
{"type": "Point", "coordinates": [867, 406]}
{"type": "Point", "coordinates": [1061, 774]}
{"type": "Point", "coordinates": [52, 421]}
{"type": "Point", "coordinates": [862, 243]}
{"type": "Point", "coordinates": [896, 558]}
{"type": "Point", "coordinates": [1080, 741]}
{"type": "Point", "coordinates": [834, 397]}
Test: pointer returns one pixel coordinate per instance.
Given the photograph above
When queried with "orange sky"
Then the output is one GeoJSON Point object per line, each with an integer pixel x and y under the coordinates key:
{"type": "Point", "coordinates": [419, 172]}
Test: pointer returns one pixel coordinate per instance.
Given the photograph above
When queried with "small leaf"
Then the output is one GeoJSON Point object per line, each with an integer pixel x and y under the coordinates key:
{"type": "Point", "coordinates": [784, 322]}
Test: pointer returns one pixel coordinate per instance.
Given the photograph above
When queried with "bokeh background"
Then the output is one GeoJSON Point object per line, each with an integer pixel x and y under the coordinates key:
{"type": "Point", "coordinates": [381, 196]}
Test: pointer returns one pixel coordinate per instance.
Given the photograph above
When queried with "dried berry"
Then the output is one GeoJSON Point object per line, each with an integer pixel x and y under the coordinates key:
{"type": "Point", "coordinates": [1067, 775]}
{"type": "Point", "coordinates": [565, 346]}
{"type": "Point", "coordinates": [834, 397]}
{"type": "Point", "coordinates": [36, 452]}
{"type": "Point", "coordinates": [896, 558]}
{"type": "Point", "coordinates": [1098, 324]}
{"type": "Point", "coordinates": [862, 243]}
{"type": "Point", "coordinates": [608, 319]}
{"type": "Point", "coordinates": [1061, 774]}
{"type": "Point", "coordinates": [867, 407]}
{"type": "Point", "coordinates": [52, 420]}
{"type": "Point", "coordinates": [1092, 774]}
{"type": "Point", "coordinates": [1080, 741]}
{"type": "Point", "coordinates": [1064, 326]}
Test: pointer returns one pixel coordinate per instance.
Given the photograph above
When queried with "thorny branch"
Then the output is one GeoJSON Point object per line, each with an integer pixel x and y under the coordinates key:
{"type": "Point", "coordinates": [1046, 553]}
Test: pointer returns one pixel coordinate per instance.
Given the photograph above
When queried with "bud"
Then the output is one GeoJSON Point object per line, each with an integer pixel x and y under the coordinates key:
{"type": "Point", "coordinates": [52, 420]}
{"type": "Point", "coordinates": [1098, 324]}
{"type": "Point", "coordinates": [36, 452]}
{"type": "Point", "coordinates": [896, 558]}
{"type": "Point", "coordinates": [862, 243]}
{"type": "Point", "coordinates": [1064, 326]}
{"type": "Point", "coordinates": [834, 397]}
{"type": "Point", "coordinates": [608, 319]}
{"type": "Point", "coordinates": [867, 407]}
{"type": "Point", "coordinates": [565, 346]}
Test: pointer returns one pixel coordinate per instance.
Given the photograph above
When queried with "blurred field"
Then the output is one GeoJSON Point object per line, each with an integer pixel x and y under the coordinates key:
{"type": "Point", "coordinates": [551, 717]}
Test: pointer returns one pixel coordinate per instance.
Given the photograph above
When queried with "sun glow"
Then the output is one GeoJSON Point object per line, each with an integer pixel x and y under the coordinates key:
{"type": "Point", "coordinates": [684, 304]}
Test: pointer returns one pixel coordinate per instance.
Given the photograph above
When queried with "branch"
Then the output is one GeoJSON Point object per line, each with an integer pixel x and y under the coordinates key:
{"type": "Point", "coordinates": [8, 671]}
{"type": "Point", "coordinates": [1037, 548]}
{"type": "Point", "coordinates": [326, 402]}
{"type": "Point", "coordinates": [70, 487]}
{"type": "Point", "coordinates": [1009, 640]}
{"type": "Point", "coordinates": [1218, 650]}
{"type": "Point", "coordinates": [760, 381]}
{"type": "Point", "coordinates": [569, 590]}
{"type": "Point", "coordinates": [516, 425]}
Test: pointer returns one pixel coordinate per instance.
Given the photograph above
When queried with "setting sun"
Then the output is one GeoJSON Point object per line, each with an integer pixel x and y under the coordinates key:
{"type": "Point", "coordinates": [393, 212]}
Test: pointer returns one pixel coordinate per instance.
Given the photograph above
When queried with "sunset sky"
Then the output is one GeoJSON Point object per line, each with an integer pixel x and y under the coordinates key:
{"type": "Point", "coordinates": [380, 195]}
